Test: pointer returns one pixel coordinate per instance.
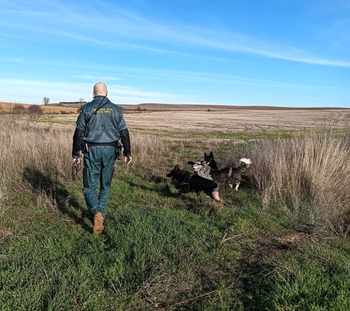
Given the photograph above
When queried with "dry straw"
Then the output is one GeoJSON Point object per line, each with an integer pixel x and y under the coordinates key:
{"type": "Point", "coordinates": [45, 149]}
{"type": "Point", "coordinates": [307, 176]}
{"type": "Point", "coordinates": [31, 146]}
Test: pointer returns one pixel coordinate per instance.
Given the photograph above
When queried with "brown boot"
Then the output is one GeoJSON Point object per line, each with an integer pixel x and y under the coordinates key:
{"type": "Point", "coordinates": [98, 223]}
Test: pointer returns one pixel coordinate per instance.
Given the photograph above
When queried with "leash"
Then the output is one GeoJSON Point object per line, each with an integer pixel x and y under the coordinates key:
{"type": "Point", "coordinates": [76, 167]}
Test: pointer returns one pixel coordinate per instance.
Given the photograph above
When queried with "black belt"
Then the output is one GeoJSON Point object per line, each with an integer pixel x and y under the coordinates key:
{"type": "Point", "coordinates": [101, 144]}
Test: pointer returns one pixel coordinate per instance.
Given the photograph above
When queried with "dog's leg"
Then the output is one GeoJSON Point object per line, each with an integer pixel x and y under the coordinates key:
{"type": "Point", "coordinates": [237, 185]}
{"type": "Point", "coordinates": [216, 197]}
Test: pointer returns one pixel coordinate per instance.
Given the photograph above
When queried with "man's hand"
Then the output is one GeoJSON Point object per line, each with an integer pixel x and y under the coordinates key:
{"type": "Point", "coordinates": [77, 160]}
{"type": "Point", "coordinates": [128, 159]}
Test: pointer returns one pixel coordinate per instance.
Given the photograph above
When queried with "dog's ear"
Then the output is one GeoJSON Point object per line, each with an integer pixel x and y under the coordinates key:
{"type": "Point", "coordinates": [176, 168]}
{"type": "Point", "coordinates": [190, 162]}
{"type": "Point", "coordinates": [211, 154]}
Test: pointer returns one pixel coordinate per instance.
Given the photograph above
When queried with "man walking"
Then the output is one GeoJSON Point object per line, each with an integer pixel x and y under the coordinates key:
{"type": "Point", "coordinates": [100, 126]}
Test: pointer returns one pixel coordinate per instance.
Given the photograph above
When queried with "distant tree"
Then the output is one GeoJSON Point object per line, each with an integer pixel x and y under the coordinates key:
{"type": "Point", "coordinates": [46, 100]}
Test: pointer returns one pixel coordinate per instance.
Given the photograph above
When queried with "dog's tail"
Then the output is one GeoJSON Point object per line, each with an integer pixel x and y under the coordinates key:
{"type": "Point", "coordinates": [244, 164]}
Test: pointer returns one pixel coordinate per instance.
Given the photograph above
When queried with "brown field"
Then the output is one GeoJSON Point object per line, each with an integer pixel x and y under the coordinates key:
{"type": "Point", "coordinates": [239, 120]}
{"type": "Point", "coordinates": [233, 118]}
{"type": "Point", "coordinates": [166, 117]}
{"type": "Point", "coordinates": [8, 107]}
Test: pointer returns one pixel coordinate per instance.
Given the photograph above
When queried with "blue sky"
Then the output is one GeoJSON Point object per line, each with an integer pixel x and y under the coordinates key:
{"type": "Point", "coordinates": [276, 52]}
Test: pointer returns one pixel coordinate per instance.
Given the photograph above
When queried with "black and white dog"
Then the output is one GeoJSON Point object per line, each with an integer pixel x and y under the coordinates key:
{"type": "Point", "coordinates": [230, 175]}
{"type": "Point", "coordinates": [190, 182]}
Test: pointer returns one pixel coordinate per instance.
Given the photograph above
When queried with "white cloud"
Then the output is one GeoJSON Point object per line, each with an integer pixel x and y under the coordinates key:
{"type": "Point", "coordinates": [120, 28]}
{"type": "Point", "coordinates": [98, 78]}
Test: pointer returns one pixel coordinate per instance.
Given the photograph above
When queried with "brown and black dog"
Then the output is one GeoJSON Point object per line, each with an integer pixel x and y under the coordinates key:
{"type": "Point", "coordinates": [190, 182]}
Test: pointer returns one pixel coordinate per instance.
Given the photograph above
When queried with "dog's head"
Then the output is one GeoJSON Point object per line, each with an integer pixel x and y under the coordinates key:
{"type": "Point", "coordinates": [176, 172]}
{"type": "Point", "coordinates": [245, 162]}
{"type": "Point", "coordinates": [197, 166]}
{"type": "Point", "coordinates": [173, 171]}
{"type": "Point", "coordinates": [209, 159]}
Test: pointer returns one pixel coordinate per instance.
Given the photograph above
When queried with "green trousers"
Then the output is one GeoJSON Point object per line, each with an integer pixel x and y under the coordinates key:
{"type": "Point", "coordinates": [98, 171]}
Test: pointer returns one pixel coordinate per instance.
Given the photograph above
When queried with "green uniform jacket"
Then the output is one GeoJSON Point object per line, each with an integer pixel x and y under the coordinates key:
{"type": "Point", "coordinates": [100, 122]}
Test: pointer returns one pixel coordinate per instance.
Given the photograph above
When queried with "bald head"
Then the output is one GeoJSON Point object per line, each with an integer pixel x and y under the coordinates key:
{"type": "Point", "coordinates": [100, 89]}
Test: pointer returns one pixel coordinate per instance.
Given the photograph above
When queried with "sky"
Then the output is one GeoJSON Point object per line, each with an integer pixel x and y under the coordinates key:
{"type": "Point", "coordinates": [290, 53]}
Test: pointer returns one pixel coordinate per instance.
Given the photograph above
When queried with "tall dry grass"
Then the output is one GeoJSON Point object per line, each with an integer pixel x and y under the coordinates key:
{"type": "Point", "coordinates": [147, 148]}
{"type": "Point", "coordinates": [46, 148]}
{"type": "Point", "coordinates": [308, 177]}
{"type": "Point", "coordinates": [29, 146]}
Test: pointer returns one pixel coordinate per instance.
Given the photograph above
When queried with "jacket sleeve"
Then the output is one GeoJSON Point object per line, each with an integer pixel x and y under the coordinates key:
{"type": "Point", "coordinates": [77, 140]}
{"type": "Point", "coordinates": [125, 138]}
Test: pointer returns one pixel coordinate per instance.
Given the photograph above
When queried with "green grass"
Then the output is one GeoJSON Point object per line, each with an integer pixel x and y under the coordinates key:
{"type": "Point", "coordinates": [161, 251]}
{"type": "Point", "coordinates": [315, 278]}
{"type": "Point", "coordinates": [51, 262]}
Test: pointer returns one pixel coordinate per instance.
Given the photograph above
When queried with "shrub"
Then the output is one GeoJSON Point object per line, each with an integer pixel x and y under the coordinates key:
{"type": "Point", "coordinates": [18, 108]}
{"type": "Point", "coordinates": [35, 110]}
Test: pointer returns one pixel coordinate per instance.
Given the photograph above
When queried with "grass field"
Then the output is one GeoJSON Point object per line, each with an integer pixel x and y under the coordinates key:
{"type": "Point", "coordinates": [279, 243]}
